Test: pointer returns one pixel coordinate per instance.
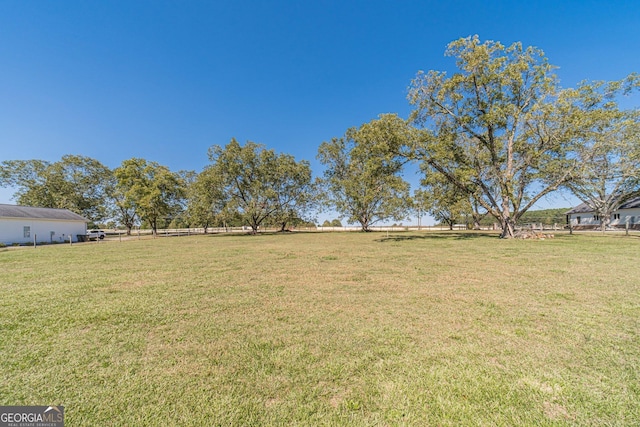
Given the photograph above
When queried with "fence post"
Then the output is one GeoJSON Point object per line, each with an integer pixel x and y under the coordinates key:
{"type": "Point", "coordinates": [626, 226]}
{"type": "Point", "coordinates": [35, 239]}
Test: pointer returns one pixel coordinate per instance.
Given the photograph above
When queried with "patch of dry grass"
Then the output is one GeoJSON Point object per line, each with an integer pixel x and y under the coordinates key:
{"type": "Point", "coordinates": [350, 329]}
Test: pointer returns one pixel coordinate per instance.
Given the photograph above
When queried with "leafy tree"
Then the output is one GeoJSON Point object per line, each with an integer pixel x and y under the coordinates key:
{"type": "Point", "coordinates": [609, 172]}
{"type": "Point", "coordinates": [336, 223]}
{"type": "Point", "coordinates": [123, 207]}
{"type": "Point", "coordinates": [206, 200]}
{"type": "Point", "coordinates": [363, 169]}
{"type": "Point", "coordinates": [151, 190]}
{"type": "Point", "coordinates": [326, 223]}
{"type": "Point", "coordinates": [30, 177]}
{"type": "Point", "coordinates": [501, 130]}
{"type": "Point", "coordinates": [295, 191]}
{"type": "Point", "coordinates": [77, 183]}
{"type": "Point", "coordinates": [259, 184]}
{"type": "Point", "coordinates": [444, 201]}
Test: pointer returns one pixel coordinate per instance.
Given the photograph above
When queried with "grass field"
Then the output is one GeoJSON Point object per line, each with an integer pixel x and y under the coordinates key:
{"type": "Point", "coordinates": [325, 329]}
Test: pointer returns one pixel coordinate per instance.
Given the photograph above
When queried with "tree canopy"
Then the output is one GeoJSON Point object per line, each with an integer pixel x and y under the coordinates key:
{"type": "Point", "coordinates": [445, 202]}
{"type": "Point", "coordinates": [150, 189]}
{"type": "Point", "coordinates": [259, 184]}
{"type": "Point", "coordinates": [77, 183]}
{"type": "Point", "coordinates": [363, 169]}
{"type": "Point", "coordinates": [501, 129]}
{"type": "Point", "coordinates": [609, 161]}
{"type": "Point", "coordinates": [492, 138]}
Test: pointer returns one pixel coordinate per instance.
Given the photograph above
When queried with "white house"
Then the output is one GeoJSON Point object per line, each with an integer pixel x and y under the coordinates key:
{"type": "Point", "coordinates": [582, 216]}
{"type": "Point", "coordinates": [24, 224]}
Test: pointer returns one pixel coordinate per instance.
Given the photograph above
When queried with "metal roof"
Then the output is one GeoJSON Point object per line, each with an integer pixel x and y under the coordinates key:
{"type": "Point", "coordinates": [13, 211]}
{"type": "Point", "coordinates": [583, 208]}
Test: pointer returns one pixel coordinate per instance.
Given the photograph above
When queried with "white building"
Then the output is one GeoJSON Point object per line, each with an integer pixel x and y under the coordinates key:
{"type": "Point", "coordinates": [24, 224]}
{"type": "Point", "coordinates": [582, 216]}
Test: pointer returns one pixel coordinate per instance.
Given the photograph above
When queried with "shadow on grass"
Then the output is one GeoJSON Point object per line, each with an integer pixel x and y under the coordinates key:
{"type": "Point", "coordinates": [438, 236]}
{"type": "Point", "coordinates": [250, 234]}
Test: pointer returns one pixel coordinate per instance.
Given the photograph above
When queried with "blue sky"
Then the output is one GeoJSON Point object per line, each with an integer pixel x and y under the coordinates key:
{"type": "Point", "coordinates": [165, 80]}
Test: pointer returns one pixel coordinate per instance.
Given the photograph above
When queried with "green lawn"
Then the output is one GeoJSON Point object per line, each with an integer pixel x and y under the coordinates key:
{"type": "Point", "coordinates": [325, 329]}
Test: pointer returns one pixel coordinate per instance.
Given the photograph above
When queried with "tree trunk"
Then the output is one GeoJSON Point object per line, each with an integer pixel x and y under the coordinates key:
{"type": "Point", "coordinates": [364, 222]}
{"type": "Point", "coordinates": [605, 219]}
{"type": "Point", "coordinates": [508, 228]}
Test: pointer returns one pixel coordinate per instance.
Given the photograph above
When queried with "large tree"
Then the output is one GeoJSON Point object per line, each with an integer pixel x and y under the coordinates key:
{"type": "Point", "coordinates": [609, 171]}
{"type": "Point", "coordinates": [259, 184]}
{"type": "Point", "coordinates": [77, 183]}
{"type": "Point", "coordinates": [151, 190]}
{"type": "Point", "coordinates": [501, 129]}
{"type": "Point", "coordinates": [363, 171]}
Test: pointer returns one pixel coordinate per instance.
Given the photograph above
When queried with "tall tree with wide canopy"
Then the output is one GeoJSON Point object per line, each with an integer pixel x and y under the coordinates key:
{"type": "Point", "coordinates": [501, 129]}
{"type": "Point", "coordinates": [150, 189]}
{"type": "Point", "coordinates": [260, 184]}
{"type": "Point", "coordinates": [609, 172]}
{"type": "Point", "coordinates": [78, 183]}
{"type": "Point", "coordinates": [363, 170]}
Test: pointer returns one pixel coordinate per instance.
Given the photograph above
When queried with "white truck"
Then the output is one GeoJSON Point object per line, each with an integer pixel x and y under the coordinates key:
{"type": "Point", "coordinates": [96, 234]}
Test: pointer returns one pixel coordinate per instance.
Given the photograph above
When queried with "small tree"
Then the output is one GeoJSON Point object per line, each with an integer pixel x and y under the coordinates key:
{"type": "Point", "coordinates": [206, 199]}
{"type": "Point", "coordinates": [294, 190]}
{"type": "Point", "coordinates": [443, 203]}
{"type": "Point", "coordinates": [123, 208]}
{"type": "Point", "coordinates": [151, 190]}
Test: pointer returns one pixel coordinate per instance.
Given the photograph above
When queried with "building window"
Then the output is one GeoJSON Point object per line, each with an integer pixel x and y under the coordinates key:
{"type": "Point", "coordinates": [616, 216]}
{"type": "Point", "coordinates": [578, 219]}
{"type": "Point", "coordinates": [27, 231]}
{"type": "Point", "coordinates": [596, 218]}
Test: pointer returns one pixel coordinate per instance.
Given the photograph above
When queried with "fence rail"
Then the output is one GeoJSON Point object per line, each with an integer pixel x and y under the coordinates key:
{"type": "Point", "coordinates": [165, 232]}
{"type": "Point", "coordinates": [177, 232]}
